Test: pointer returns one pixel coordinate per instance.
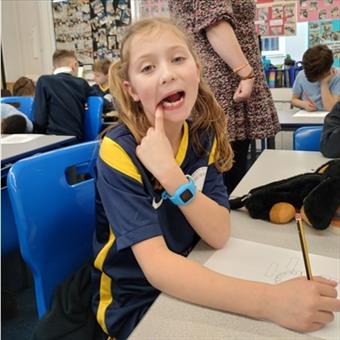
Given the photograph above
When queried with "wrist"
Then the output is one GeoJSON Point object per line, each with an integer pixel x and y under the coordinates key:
{"type": "Point", "coordinates": [172, 178]}
{"type": "Point", "coordinates": [265, 307]}
{"type": "Point", "coordinates": [245, 72]}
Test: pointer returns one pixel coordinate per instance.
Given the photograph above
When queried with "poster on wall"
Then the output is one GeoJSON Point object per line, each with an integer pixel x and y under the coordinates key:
{"type": "Point", "coordinates": [275, 18]}
{"type": "Point", "coordinates": [149, 8]}
{"type": "Point", "coordinates": [313, 10]}
{"type": "Point", "coordinates": [326, 32]}
{"type": "Point", "coordinates": [92, 28]}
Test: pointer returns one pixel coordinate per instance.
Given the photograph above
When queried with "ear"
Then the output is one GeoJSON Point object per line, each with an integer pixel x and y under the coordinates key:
{"type": "Point", "coordinates": [131, 91]}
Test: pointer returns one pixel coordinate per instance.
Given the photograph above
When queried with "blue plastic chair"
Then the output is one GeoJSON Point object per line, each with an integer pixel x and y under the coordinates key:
{"type": "Point", "coordinates": [307, 138]}
{"type": "Point", "coordinates": [93, 118]}
{"type": "Point", "coordinates": [23, 104]}
{"type": "Point", "coordinates": [55, 220]}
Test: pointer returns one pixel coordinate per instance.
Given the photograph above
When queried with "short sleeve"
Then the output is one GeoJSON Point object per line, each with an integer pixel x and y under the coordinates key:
{"type": "Point", "coordinates": [127, 205]}
{"type": "Point", "coordinates": [208, 13]}
{"type": "Point", "coordinates": [214, 187]}
{"type": "Point", "coordinates": [335, 85]}
{"type": "Point", "coordinates": [297, 87]}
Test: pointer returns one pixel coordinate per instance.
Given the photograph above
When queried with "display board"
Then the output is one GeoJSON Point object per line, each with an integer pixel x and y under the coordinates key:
{"type": "Point", "coordinates": [92, 28]}
{"type": "Point", "coordinates": [313, 10]}
{"type": "Point", "coordinates": [326, 32]}
{"type": "Point", "coordinates": [149, 8]}
{"type": "Point", "coordinates": [275, 18]}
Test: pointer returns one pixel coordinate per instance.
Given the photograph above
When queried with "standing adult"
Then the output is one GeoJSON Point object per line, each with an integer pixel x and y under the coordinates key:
{"type": "Point", "coordinates": [224, 36]}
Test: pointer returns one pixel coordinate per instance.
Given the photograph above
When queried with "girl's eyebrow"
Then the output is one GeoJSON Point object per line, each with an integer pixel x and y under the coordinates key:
{"type": "Point", "coordinates": [150, 55]}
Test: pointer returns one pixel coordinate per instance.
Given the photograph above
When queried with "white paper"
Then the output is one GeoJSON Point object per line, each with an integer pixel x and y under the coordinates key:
{"type": "Point", "coordinates": [18, 138]}
{"type": "Point", "coordinates": [304, 113]}
{"type": "Point", "coordinates": [260, 262]}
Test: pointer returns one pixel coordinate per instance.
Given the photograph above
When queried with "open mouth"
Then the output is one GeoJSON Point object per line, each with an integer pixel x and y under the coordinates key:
{"type": "Point", "coordinates": [173, 100]}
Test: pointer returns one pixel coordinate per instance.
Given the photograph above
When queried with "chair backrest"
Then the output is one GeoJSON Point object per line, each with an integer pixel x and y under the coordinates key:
{"type": "Point", "coordinates": [55, 219]}
{"type": "Point", "coordinates": [23, 104]}
{"type": "Point", "coordinates": [307, 138]}
{"type": "Point", "coordinates": [93, 118]}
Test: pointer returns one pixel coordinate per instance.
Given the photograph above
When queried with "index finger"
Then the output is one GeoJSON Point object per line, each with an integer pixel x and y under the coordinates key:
{"type": "Point", "coordinates": [159, 118]}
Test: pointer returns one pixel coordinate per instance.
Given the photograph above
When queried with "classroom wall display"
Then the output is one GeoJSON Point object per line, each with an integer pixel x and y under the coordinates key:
{"type": "Point", "coordinates": [313, 10]}
{"type": "Point", "coordinates": [326, 32]}
{"type": "Point", "coordinates": [275, 18]}
{"type": "Point", "coordinates": [92, 28]}
{"type": "Point", "coordinates": [147, 8]}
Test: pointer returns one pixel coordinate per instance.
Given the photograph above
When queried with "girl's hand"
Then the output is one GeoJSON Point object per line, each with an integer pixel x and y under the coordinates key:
{"type": "Point", "coordinates": [155, 151]}
{"type": "Point", "coordinates": [303, 305]}
{"type": "Point", "coordinates": [309, 105]}
{"type": "Point", "coordinates": [244, 89]}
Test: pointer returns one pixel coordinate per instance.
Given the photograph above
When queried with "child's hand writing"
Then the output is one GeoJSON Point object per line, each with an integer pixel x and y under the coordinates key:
{"type": "Point", "coordinates": [309, 105]}
{"type": "Point", "coordinates": [304, 305]}
{"type": "Point", "coordinates": [155, 150]}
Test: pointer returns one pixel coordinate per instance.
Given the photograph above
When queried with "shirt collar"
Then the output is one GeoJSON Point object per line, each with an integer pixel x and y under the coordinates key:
{"type": "Point", "coordinates": [63, 69]}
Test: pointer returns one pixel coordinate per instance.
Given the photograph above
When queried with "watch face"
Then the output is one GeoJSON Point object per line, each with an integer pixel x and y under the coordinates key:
{"type": "Point", "coordinates": [186, 195]}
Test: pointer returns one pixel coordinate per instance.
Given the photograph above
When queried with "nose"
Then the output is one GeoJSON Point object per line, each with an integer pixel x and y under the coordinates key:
{"type": "Point", "coordinates": [167, 73]}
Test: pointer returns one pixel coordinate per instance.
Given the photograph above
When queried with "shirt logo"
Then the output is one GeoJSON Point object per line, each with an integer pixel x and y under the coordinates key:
{"type": "Point", "coordinates": [155, 204]}
{"type": "Point", "coordinates": [199, 177]}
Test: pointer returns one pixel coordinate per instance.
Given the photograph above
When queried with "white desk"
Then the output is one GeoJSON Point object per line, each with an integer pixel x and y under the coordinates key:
{"type": "Point", "coordinates": [289, 122]}
{"type": "Point", "coordinates": [169, 318]}
{"type": "Point", "coordinates": [14, 151]}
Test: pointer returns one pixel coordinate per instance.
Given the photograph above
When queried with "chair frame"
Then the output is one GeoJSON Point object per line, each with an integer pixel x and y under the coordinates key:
{"type": "Point", "coordinates": [55, 220]}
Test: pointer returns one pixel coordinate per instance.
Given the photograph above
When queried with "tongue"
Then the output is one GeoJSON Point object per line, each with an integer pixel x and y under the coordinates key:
{"type": "Point", "coordinates": [173, 98]}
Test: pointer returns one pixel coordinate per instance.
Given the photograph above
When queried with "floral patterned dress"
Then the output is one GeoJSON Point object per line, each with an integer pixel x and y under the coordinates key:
{"type": "Point", "coordinates": [257, 117]}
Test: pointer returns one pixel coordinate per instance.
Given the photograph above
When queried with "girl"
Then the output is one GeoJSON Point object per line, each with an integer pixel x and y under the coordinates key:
{"type": "Point", "coordinates": [161, 189]}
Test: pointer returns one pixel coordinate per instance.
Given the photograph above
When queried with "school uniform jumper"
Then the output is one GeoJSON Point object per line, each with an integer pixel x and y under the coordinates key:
{"type": "Point", "coordinates": [59, 104]}
{"type": "Point", "coordinates": [130, 210]}
{"type": "Point", "coordinates": [330, 139]}
{"type": "Point", "coordinates": [104, 92]}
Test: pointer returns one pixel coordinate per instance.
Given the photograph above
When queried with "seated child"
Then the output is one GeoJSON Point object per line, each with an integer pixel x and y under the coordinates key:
{"type": "Point", "coordinates": [317, 86]}
{"type": "Point", "coordinates": [24, 87]}
{"type": "Point", "coordinates": [330, 139]}
{"type": "Point", "coordinates": [101, 70]}
{"type": "Point", "coordinates": [14, 121]}
{"type": "Point", "coordinates": [60, 99]}
{"type": "Point", "coordinates": [160, 189]}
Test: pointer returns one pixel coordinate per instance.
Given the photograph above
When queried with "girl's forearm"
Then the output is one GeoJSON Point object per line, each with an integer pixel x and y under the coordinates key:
{"type": "Point", "coordinates": [210, 220]}
{"type": "Point", "coordinates": [187, 280]}
{"type": "Point", "coordinates": [223, 40]}
{"type": "Point", "coordinates": [212, 227]}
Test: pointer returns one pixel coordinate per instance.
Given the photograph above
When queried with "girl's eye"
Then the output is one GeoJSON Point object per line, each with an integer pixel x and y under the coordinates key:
{"type": "Point", "coordinates": [178, 60]}
{"type": "Point", "coordinates": [147, 69]}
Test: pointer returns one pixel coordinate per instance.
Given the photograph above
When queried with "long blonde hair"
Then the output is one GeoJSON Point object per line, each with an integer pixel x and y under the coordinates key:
{"type": "Point", "coordinates": [206, 114]}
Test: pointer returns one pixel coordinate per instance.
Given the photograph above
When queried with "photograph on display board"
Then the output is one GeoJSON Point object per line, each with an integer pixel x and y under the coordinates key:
{"type": "Point", "coordinates": [326, 32]}
{"type": "Point", "coordinates": [92, 28]}
{"type": "Point", "coordinates": [275, 18]}
{"type": "Point", "coordinates": [313, 10]}
{"type": "Point", "coordinates": [149, 8]}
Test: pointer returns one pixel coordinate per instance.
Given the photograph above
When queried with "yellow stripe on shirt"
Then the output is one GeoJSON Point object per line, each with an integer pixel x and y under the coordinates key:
{"type": "Point", "coordinates": [183, 147]}
{"type": "Point", "coordinates": [105, 292]}
{"type": "Point", "coordinates": [117, 158]}
{"type": "Point", "coordinates": [212, 153]}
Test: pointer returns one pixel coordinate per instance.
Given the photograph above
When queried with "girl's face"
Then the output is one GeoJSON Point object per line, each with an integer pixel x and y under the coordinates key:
{"type": "Point", "coordinates": [162, 71]}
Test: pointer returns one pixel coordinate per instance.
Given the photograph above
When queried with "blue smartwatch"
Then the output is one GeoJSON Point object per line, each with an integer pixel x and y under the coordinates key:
{"type": "Point", "coordinates": [184, 194]}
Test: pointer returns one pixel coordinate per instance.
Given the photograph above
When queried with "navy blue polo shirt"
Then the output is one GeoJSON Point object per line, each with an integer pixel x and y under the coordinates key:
{"type": "Point", "coordinates": [130, 210]}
